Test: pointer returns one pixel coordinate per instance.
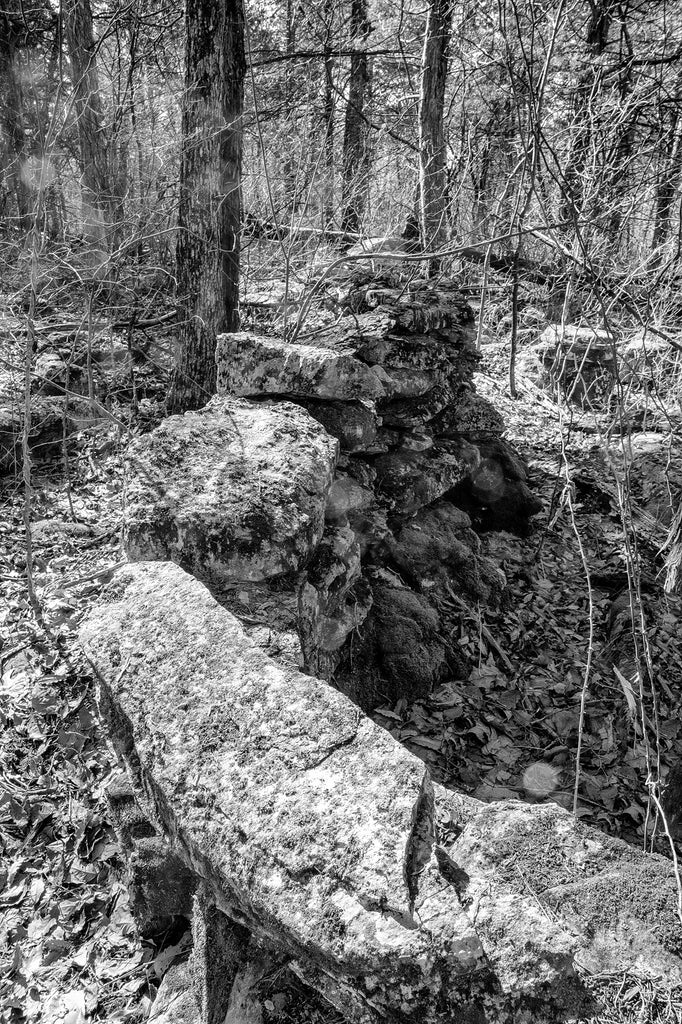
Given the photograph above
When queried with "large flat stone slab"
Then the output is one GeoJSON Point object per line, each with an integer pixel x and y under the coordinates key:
{"type": "Point", "coordinates": [310, 822]}
{"type": "Point", "coordinates": [619, 904]}
{"type": "Point", "coordinates": [235, 491]}
{"type": "Point", "coordinates": [252, 365]}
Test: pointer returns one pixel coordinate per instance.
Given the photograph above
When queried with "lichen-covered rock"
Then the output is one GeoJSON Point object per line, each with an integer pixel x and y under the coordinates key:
{"type": "Point", "coordinates": [407, 382]}
{"type": "Point", "coordinates": [377, 338]}
{"type": "Point", "coordinates": [420, 351]}
{"type": "Point", "coordinates": [305, 819]}
{"type": "Point", "coordinates": [250, 365]}
{"type": "Point", "coordinates": [407, 413]}
{"type": "Point", "coordinates": [417, 307]}
{"type": "Point", "coordinates": [327, 846]}
{"type": "Point", "coordinates": [413, 479]}
{"type": "Point", "coordinates": [582, 361]}
{"type": "Point", "coordinates": [619, 903]}
{"type": "Point", "coordinates": [235, 491]}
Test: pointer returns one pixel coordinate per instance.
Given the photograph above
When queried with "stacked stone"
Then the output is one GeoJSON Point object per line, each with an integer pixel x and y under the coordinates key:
{"type": "Point", "coordinates": [323, 486]}
{"type": "Point", "coordinates": [581, 361]}
{"type": "Point", "coordinates": [391, 380]}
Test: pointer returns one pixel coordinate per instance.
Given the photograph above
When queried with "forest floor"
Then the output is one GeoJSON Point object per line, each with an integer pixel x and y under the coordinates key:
{"type": "Point", "coordinates": [69, 948]}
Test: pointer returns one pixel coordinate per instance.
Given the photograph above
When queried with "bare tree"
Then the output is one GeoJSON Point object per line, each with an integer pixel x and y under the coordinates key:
{"type": "Point", "coordinates": [80, 41]}
{"type": "Point", "coordinates": [210, 194]}
{"type": "Point", "coordinates": [356, 148]}
{"type": "Point", "coordinates": [11, 115]}
{"type": "Point", "coordinates": [669, 178]}
{"type": "Point", "coordinates": [433, 198]}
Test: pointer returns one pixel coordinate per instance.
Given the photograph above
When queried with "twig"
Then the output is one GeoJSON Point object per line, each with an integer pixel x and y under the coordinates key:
{"type": "Point", "coordinates": [482, 626]}
{"type": "Point", "coordinates": [93, 575]}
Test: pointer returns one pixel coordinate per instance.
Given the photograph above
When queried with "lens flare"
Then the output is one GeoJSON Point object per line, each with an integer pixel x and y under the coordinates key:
{"type": "Point", "coordinates": [540, 779]}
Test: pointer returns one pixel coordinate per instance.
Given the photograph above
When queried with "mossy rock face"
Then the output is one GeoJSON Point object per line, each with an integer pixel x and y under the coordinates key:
{"type": "Point", "coordinates": [236, 491]}
{"type": "Point", "coordinates": [400, 651]}
{"type": "Point", "coordinates": [411, 480]}
{"type": "Point", "coordinates": [620, 902]}
{"type": "Point", "coordinates": [439, 547]}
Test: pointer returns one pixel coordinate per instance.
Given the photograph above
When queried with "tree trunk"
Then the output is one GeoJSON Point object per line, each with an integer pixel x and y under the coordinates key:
{"type": "Point", "coordinates": [433, 198]}
{"type": "Point", "coordinates": [210, 194]}
{"type": "Point", "coordinates": [356, 149]}
{"type": "Point", "coordinates": [588, 88]}
{"type": "Point", "coordinates": [669, 182]}
{"type": "Point", "coordinates": [289, 163]}
{"type": "Point", "coordinates": [11, 118]}
{"type": "Point", "coordinates": [328, 114]}
{"type": "Point", "coordinates": [80, 42]}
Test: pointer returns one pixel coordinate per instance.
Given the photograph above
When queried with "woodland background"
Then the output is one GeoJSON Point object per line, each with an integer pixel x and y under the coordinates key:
{"type": "Point", "coordinates": [531, 150]}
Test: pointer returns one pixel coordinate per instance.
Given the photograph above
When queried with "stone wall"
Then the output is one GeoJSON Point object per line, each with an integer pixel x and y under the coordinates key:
{"type": "Point", "coordinates": [300, 529]}
{"type": "Point", "coordinates": [345, 460]}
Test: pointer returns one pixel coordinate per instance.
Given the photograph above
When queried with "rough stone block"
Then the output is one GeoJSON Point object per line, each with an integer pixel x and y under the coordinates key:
{"type": "Point", "coordinates": [438, 545]}
{"type": "Point", "coordinates": [160, 885]}
{"type": "Point", "coordinates": [414, 479]}
{"type": "Point", "coordinates": [298, 811]}
{"type": "Point", "coordinates": [235, 491]}
{"type": "Point", "coordinates": [407, 413]}
{"type": "Point", "coordinates": [468, 415]}
{"type": "Point", "coordinates": [352, 423]}
{"type": "Point", "coordinates": [250, 365]}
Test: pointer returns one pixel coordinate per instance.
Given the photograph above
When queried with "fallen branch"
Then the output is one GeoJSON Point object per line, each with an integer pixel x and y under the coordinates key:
{"type": "Point", "coordinates": [485, 632]}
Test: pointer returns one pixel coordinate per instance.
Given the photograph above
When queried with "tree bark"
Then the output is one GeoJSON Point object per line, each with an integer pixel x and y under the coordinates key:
{"type": "Point", "coordinates": [11, 118]}
{"type": "Point", "coordinates": [433, 197]}
{"type": "Point", "coordinates": [356, 149]}
{"type": "Point", "coordinates": [289, 165]}
{"type": "Point", "coordinates": [669, 183]}
{"type": "Point", "coordinates": [210, 194]}
{"type": "Point", "coordinates": [328, 114]}
{"type": "Point", "coordinates": [80, 42]}
{"type": "Point", "coordinates": [588, 88]}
